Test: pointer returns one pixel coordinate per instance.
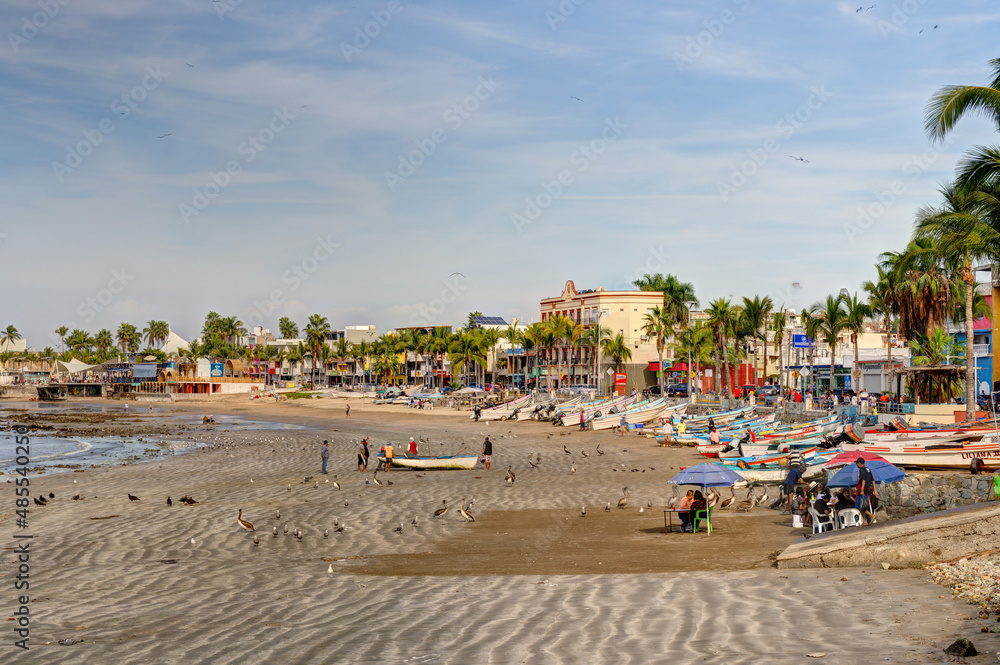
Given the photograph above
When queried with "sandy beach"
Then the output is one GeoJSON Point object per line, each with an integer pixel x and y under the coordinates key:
{"type": "Point", "coordinates": [531, 581]}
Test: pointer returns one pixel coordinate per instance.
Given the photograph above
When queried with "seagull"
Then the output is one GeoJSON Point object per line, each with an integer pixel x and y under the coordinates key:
{"type": "Point", "coordinates": [243, 523]}
{"type": "Point", "coordinates": [801, 159]}
{"type": "Point", "coordinates": [277, 514]}
{"type": "Point", "coordinates": [920, 32]}
{"type": "Point", "coordinates": [286, 530]}
{"type": "Point", "coordinates": [465, 513]}
{"type": "Point", "coordinates": [566, 450]}
{"type": "Point", "coordinates": [256, 540]}
{"type": "Point", "coordinates": [399, 529]}
{"type": "Point", "coordinates": [414, 522]}
{"type": "Point", "coordinates": [672, 503]}
{"type": "Point", "coordinates": [441, 511]}
{"type": "Point", "coordinates": [189, 64]}
{"type": "Point", "coordinates": [576, 98]}
{"type": "Point", "coordinates": [51, 495]}
{"type": "Point", "coordinates": [339, 528]}
{"type": "Point", "coordinates": [289, 488]}
{"type": "Point", "coordinates": [572, 467]}
{"type": "Point", "coordinates": [329, 569]}
{"type": "Point", "coordinates": [193, 541]}
{"type": "Point", "coordinates": [274, 531]}
{"type": "Point", "coordinates": [583, 511]}
{"type": "Point", "coordinates": [641, 510]}
{"type": "Point", "coordinates": [39, 502]}
{"type": "Point", "coordinates": [169, 502]}
{"type": "Point", "coordinates": [607, 506]}
{"type": "Point", "coordinates": [163, 136]}
{"type": "Point", "coordinates": [858, 9]}
{"type": "Point", "coordinates": [622, 502]}
{"type": "Point", "coordinates": [315, 484]}
{"type": "Point", "coordinates": [457, 273]}
{"type": "Point", "coordinates": [133, 498]}
{"type": "Point", "coordinates": [345, 503]}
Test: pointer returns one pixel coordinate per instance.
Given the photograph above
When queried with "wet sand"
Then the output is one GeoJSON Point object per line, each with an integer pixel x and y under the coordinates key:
{"type": "Point", "coordinates": [530, 581]}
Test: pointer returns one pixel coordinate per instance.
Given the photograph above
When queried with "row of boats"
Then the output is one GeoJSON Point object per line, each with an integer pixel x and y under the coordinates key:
{"type": "Point", "coordinates": [761, 450]}
{"type": "Point", "coordinates": [597, 415]}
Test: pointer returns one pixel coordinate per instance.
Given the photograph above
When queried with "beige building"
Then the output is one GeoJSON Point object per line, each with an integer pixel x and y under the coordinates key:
{"type": "Point", "coordinates": [618, 311]}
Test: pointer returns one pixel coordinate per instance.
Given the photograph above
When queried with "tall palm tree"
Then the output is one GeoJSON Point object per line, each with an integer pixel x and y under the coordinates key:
{"type": "Point", "coordinates": [617, 348]}
{"type": "Point", "coordinates": [8, 336]}
{"type": "Point", "coordinates": [833, 319]}
{"type": "Point", "coordinates": [490, 337]}
{"type": "Point", "coordinates": [856, 312]}
{"type": "Point", "coordinates": [675, 294]}
{"type": "Point", "coordinates": [287, 328]}
{"type": "Point", "coordinates": [61, 331]}
{"type": "Point", "coordinates": [104, 341]}
{"type": "Point", "coordinates": [548, 339]}
{"type": "Point", "coordinates": [779, 321]}
{"type": "Point", "coordinates": [696, 343]}
{"type": "Point", "coordinates": [963, 236]}
{"type": "Point", "coordinates": [757, 313]}
{"type": "Point", "coordinates": [881, 304]}
{"type": "Point", "coordinates": [128, 338]}
{"type": "Point", "coordinates": [722, 319]}
{"type": "Point", "coordinates": [938, 348]}
{"type": "Point", "coordinates": [923, 293]}
{"type": "Point", "coordinates": [317, 331]}
{"type": "Point", "coordinates": [657, 324]}
{"type": "Point", "coordinates": [465, 349]}
{"type": "Point", "coordinates": [533, 338]}
{"type": "Point", "coordinates": [594, 338]}
{"type": "Point", "coordinates": [980, 166]}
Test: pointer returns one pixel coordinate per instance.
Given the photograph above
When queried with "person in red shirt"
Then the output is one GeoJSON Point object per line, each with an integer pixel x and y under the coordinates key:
{"type": "Point", "coordinates": [413, 447]}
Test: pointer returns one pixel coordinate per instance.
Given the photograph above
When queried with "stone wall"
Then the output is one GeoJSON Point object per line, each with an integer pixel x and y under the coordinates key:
{"type": "Point", "coordinates": [925, 493]}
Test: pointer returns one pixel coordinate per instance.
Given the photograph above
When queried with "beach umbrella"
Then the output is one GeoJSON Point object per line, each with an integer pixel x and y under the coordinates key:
{"type": "Point", "coordinates": [882, 471]}
{"type": "Point", "coordinates": [706, 475]}
{"type": "Point", "coordinates": [849, 457]}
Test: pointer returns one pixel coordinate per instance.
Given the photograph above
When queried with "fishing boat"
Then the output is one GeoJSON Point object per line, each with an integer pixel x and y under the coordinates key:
{"type": "Point", "coordinates": [569, 418]}
{"type": "Point", "coordinates": [434, 462]}
{"type": "Point", "coordinates": [504, 411]}
{"type": "Point", "coordinates": [821, 426]}
{"type": "Point", "coordinates": [931, 454]}
{"type": "Point", "coordinates": [642, 413]}
{"type": "Point", "coordinates": [775, 473]}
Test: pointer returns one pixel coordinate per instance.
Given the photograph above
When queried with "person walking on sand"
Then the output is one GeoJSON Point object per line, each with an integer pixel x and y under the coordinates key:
{"type": "Point", "coordinates": [389, 454]}
{"type": "Point", "coordinates": [363, 455]}
{"type": "Point", "coordinates": [583, 421]}
{"type": "Point", "coordinates": [866, 490]}
{"type": "Point", "coordinates": [487, 452]}
{"type": "Point", "coordinates": [325, 455]}
{"type": "Point", "coordinates": [347, 409]}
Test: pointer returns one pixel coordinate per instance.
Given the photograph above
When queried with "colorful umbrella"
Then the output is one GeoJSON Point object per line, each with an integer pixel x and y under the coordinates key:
{"type": "Point", "coordinates": [882, 471]}
{"type": "Point", "coordinates": [849, 457]}
{"type": "Point", "coordinates": [706, 475]}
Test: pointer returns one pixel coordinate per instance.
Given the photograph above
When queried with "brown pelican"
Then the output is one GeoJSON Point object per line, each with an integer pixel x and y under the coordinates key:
{"type": "Point", "coordinates": [672, 503]}
{"type": "Point", "coordinates": [133, 498]}
{"type": "Point", "coordinates": [533, 464]}
{"type": "Point", "coordinates": [169, 502]}
{"type": "Point", "coordinates": [375, 479]}
{"type": "Point", "coordinates": [335, 483]}
{"type": "Point", "coordinates": [713, 500]}
{"type": "Point", "coordinates": [510, 476]}
{"type": "Point", "coordinates": [747, 503]}
{"type": "Point", "coordinates": [441, 511]}
{"type": "Point", "coordinates": [729, 502]}
{"type": "Point", "coordinates": [566, 450]}
{"type": "Point", "coordinates": [599, 451]}
{"type": "Point", "coordinates": [243, 523]}
{"type": "Point", "coordinates": [584, 452]}
{"type": "Point", "coordinates": [465, 513]}
{"type": "Point", "coordinates": [764, 497]}
{"type": "Point", "coordinates": [622, 502]}
{"type": "Point", "coordinates": [339, 528]}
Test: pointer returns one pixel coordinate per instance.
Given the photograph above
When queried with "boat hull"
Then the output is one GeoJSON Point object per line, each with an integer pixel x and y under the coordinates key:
{"type": "Point", "coordinates": [452, 462]}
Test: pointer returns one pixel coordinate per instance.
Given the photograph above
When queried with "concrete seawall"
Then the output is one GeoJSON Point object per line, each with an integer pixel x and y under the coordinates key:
{"type": "Point", "coordinates": [910, 542]}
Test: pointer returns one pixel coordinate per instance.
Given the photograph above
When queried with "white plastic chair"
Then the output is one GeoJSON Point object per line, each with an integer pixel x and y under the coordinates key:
{"type": "Point", "coordinates": [849, 517]}
{"type": "Point", "coordinates": [821, 523]}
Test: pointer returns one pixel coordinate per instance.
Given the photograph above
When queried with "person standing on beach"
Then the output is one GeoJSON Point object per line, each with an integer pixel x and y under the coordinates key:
{"type": "Point", "coordinates": [363, 455]}
{"type": "Point", "coordinates": [325, 454]}
{"type": "Point", "coordinates": [487, 452]}
{"type": "Point", "coordinates": [389, 454]}
{"type": "Point", "coordinates": [413, 447]}
{"type": "Point", "coordinates": [583, 421]}
{"type": "Point", "coordinates": [866, 489]}
{"type": "Point", "coordinates": [348, 410]}
{"type": "Point", "coordinates": [668, 432]}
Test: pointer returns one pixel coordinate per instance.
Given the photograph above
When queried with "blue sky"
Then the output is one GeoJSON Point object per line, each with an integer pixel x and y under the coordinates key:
{"type": "Point", "coordinates": [306, 166]}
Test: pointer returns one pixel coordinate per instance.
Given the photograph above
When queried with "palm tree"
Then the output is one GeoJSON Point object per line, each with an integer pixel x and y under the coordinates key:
{"type": "Point", "coordinates": [881, 304]}
{"type": "Point", "coordinates": [594, 337]}
{"type": "Point", "coordinates": [548, 339]}
{"type": "Point", "coordinates": [128, 338]}
{"type": "Point", "coordinates": [490, 337]}
{"type": "Point", "coordinates": [617, 348]}
{"type": "Point", "coordinates": [61, 331]}
{"type": "Point", "coordinates": [756, 313]}
{"type": "Point", "coordinates": [515, 338]}
{"type": "Point", "coordinates": [696, 343]}
{"type": "Point", "coordinates": [722, 319]}
{"type": "Point", "coordinates": [856, 312]}
{"type": "Point", "coordinates": [8, 336]}
{"type": "Point", "coordinates": [923, 293]}
{"type": "Point", "coordinates": [296, 355]}
{"type": "Point", "coordinates": [287, 328]}
{"type": "Point", "coordinates": [104, 341]}
{"type": "Point", "coordinates": [938, 348]}
{"type": "Point", "coordinates": [963, 236]}
{"type": "Point", "coordinates": [657, 324]}
{"type": "Point", "coordinates": [779, 321]}
{"type": "Point", "coordinates": [317, 331]}
{"type": "Point", "coordinates": [675, 294]}
{"type": "Point", "coordinates": [832, 319]}
{"type": "Point", "coordinates": [980, 166]}
{"type": "Point", "coordinates": [465, 349]}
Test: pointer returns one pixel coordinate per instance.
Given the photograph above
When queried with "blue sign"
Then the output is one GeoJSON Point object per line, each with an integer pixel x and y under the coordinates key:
{"type": "Point", "coordinates": [847, 383]}
{"type": "Point", "coordinates": [801, 342]}
{"type": "Point", "coordinates": [216, 369]}
{"type": "Point", "coordinates": [144, 371]}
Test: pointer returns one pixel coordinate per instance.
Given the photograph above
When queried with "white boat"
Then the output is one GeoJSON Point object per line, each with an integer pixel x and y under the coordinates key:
{"type": "Point", "coordinates": [925, 454]}
{"type": "Point", "coordinates": [435, 462]}
{"type": "Point", "coordinates": [504, 411]}
{"type": "Point", "coordinates": [570, 418]}
{"type": "Point", "coordinates": [776, 473]}
{"type": "Point", "coordinates": [642, 414]}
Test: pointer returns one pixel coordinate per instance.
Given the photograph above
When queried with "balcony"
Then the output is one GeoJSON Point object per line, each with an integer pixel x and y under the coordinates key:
{"type": "Point", "coordinates": [981, 350]}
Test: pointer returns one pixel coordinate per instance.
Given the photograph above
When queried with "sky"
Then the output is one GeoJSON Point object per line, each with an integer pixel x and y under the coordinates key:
{"type": "Point", "coordinates": [159, 160]}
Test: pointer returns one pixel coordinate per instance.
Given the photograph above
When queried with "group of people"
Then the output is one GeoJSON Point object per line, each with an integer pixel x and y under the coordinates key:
{"type": "Point", "coordinates": [864, 497]}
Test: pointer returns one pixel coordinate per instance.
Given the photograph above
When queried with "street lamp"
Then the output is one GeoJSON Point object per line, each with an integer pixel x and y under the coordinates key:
{"type": "Point", "coordinates": [690, 384]}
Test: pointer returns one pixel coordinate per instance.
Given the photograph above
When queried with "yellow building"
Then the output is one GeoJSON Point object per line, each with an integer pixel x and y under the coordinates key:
{"type": "Point", "coordinates": [618, 311]}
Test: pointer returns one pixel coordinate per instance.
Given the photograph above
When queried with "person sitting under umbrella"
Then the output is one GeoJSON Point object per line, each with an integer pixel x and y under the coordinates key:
{"type": "Point", "coordinates": [684, 511]}
{"type": "Point", "coordinates": [697, 504]}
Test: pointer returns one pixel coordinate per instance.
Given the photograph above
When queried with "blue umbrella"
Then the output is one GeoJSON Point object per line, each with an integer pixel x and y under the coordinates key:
{"type": "Point", "coordinates": [706, 475]}
{"type": "Point", "coordinates": [883, 472]}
